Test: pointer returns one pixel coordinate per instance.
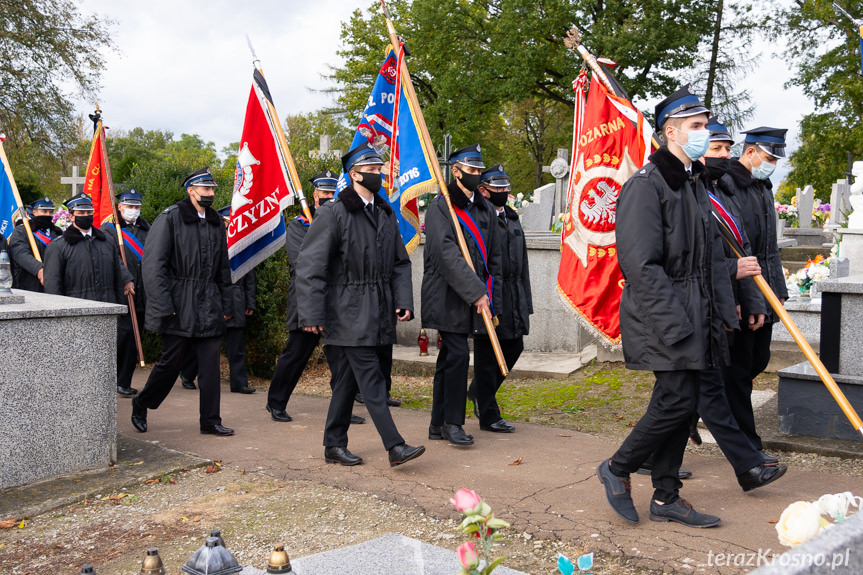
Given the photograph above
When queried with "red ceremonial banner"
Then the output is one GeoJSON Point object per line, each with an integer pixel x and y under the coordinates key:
{"type": "Point", "coordinates": [96, 184]}
{"type": "Point", "coordinates": [610, 142]}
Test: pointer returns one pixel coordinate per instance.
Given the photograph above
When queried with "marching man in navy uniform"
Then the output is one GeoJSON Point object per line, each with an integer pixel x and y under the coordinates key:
{"type": "Point", "coordinates": [27, 270]}
{"type": "Point", "coordinates": [353, 281]}
{"type": "Point", "coordinates": [513, 309]}
{"type": "Point", "coordinates": [674, 309]}
{"type": "Point", "coordinates": [301, 344]}
{"type": "Point", "coordinates": [747, 189]}
{"type": "Point", "coordinates": [186, 277]}
{"type": "Point", "coordinates": [134, 229]}
{"type": "Point", "coordinates": [453, 294]}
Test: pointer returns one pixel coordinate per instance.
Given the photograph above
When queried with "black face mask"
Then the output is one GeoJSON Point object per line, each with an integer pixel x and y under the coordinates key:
{"type": "Point", "coordinates": [469, 181]}
{"type": "Point", "coordinates": [498, 198]}
{"type": "Point", "coordinates": [371, 182]}
{"type": "Point", "coordinates": [206, 201]}
{"type": "Point", "coordinates": [84, 222]}
{"type": "Point", "coordinates": [41, 222]}
{"type": "Point", "coordinates": [716, 167]}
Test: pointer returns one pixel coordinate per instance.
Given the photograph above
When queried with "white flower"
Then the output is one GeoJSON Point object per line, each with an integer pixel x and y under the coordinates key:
{"type": "Point", "coordinates": [422, 203]}
{"type": "Point", "coordinates": [519, 196]}
{"type": "Point", "coordinates": [798, 523]}
{"type": "Point", "coordinates": [836, 506]}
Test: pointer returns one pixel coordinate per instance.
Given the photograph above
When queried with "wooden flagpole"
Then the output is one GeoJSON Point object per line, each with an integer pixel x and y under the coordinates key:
{"type": "Point", "coordinates": [795, 332]}
{"type": "Point", "coordinates": [283, 148]}
{"type": "Point", "coordinates": [424, 134]}
{"type": "Point", "coordinates": [24, 219]}
{"type": "Point", "coordinates": [107, 167]}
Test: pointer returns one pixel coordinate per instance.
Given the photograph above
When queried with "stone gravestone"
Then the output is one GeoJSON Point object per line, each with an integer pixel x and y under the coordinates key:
{"type": "Point", "coordinates": [539, 211]}
{"type": "Point", "coordinates": [75, 180]}
{"type": "Point", "coordinates": [839, 206]}
{"type": "Point", "coordinates": [805, 202]}
{"type": "Point", "coordinates": [851, 244]}
{"type": "Point", "coordinates": [805, 405]}
{"type": "Point", "coordinates": [559, 169]}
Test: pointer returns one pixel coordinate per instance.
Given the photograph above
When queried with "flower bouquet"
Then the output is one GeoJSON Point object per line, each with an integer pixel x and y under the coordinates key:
{"type": "Point", "coordinates": [479, 520]}
{"type": "Point", "coordinates": [803, 520]}
{"type": "Point", "coordinates": [787, 212]}
{"type": "Point", "coordinates": [815, 271]}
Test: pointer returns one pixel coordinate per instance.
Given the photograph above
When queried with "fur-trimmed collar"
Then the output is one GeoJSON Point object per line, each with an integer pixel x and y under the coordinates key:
{"type": "Point", "coordinates": [739, 173]}
{"type": "Point", "coordinates": [510, 213]}
{"type": "Point", "coordinates": [672, 168]}
{"type": "Point", "coordinates": [459, 200]}
{"type": "Point", "coordinates": [354, 203]}
{"type": "Point", "coordinates": [189, 214]}
{"type": "Point", "coordinates": [73, 235]}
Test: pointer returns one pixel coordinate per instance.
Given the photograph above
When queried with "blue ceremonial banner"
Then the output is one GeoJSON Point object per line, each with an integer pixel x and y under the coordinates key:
{"type": "Point", "coordinates": [408, 173]}
{"type": "Point", "coordinates": [7, 199]}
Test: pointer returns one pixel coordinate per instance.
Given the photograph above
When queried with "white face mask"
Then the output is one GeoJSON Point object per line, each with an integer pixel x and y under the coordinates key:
{"type": "Point", "coordinates": [131, 214]}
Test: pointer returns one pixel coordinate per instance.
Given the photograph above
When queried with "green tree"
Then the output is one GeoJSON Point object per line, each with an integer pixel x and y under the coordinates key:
{"type": "Point", "coordinates": [825, 50]}
{"type": "Point", "coordinates": [49, 50]}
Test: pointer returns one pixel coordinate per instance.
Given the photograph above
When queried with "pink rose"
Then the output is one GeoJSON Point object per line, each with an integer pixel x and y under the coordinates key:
{"type": "Point", "coordinates": [466, 500]}
{"type": "Point", "coordinates": [468, 556]}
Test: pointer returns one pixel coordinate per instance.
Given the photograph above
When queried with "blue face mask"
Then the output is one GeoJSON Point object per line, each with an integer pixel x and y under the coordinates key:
{"type": "Point", "coordinates": [764, 171]}
{"type": "Point", "coordinates": [697, 144]}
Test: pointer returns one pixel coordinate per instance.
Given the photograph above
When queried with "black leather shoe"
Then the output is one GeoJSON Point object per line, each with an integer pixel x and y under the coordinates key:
{"type": "Point", "coordinates": [647, 469]}
{"type": "Point", "coordinates": [618, 492]}
{"type": "Point", "coordinates": [359, 398]}
{"type": "Point", "coordinates": [341, 455]}
{"type": "Point", "coordinates": [247, 390]}
{"type": "Point", "coordinates": [279, 414]}
{"type": "Point", "coordinates": [436, 432]}
{"type": "Point", "coordinates": [392, 402]}
{"type": "Point", "coordinates": [760, 475]}
{"type": "Point", "coordinates": [126, 391]}
{"type": "Point", "coordinates": [456, 435]}
{"type": "Point", "coordinates": [139, 416]}
{"type": "Point", "coordinates": [681, 512]}
{"type": "Point", "coordinates": [217, 429]}
{"type": "Point", "coordinates": [501, 426]}
{"type": "Point", "coordinates": [356, 419]}
{"type": "Point", "coordinates": [767, 459]}
{"type": "Point", "coordinates": [404, 453]}
{"type": "Point", "coordinates": [188, 383]}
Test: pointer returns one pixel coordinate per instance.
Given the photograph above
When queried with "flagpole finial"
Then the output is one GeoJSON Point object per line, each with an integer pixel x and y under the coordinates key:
{"type": "Point", "coordinates": [384, 8]}
{"type": "Point", "coordinates": [255, 60]}
{"type": "Point", "coordinates": [573, 39]}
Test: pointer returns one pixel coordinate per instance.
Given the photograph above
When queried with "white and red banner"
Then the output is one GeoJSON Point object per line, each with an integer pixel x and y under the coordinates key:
{"type": "Point", "coordinates": [261, 186]}
{"type": "Point", "coordinates": [610, 142]}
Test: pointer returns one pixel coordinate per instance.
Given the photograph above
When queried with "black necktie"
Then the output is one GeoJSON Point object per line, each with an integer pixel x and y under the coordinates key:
{"type": "Point", "coordinates": [370, 209]}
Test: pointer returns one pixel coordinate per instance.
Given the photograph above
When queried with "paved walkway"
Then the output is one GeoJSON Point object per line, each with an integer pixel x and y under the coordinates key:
{"type": "Point", "coordinates": [552, 493]}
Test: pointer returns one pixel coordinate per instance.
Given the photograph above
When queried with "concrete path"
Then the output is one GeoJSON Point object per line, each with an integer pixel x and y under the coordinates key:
{"type": "Point", "coordinates": [552, 493]}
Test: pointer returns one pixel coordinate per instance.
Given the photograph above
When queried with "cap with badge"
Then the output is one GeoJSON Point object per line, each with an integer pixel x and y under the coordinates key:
{"type": "Point", "coordinates": [325, 181]}
{"type": "Point", "coordinates": [79, 202]}
{"type": "Point", "coordinates": [680, 104]}
{"type": "Point", "coordinates": [225, 212]}
{"type": "Point", "coordinates": [469, 156]}
{"type": "Point", "coordinates": [362, 155]}
{"type": "Point", "coordinates": [130, 197]}
{"type": "Point", "coordinates": [43, 204]}
{"type": "Point", "coordinates": [202, 177]}
{"type": "Point", "coordinates": [718, 131]}
{"type": "Point", "coordinates": [771, 140]}
{"type": "Point", "coordinates": [495, 176]}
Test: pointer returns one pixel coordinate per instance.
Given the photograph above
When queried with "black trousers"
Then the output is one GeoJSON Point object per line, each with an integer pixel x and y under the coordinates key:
{"type": "Point", "coordinates": [750, 354]}
{"type": "Point", "coordinates": [663, 431]}
{"type": "Point", "coordinates": [357, 369]}
{"type": "Point", "coordinates": [298, 349]}
{"type": "Point", "coordinates": [715, 411]}
{"type": "Point", "coordinates": [449, 391]}
{"type": "Point", "coordinates": [175, 351]}
{"type": "Point", "coordinates": [385, 356]}
{"type": "Point", "coordinates": [127, 353]}
{"type": "Point", "coordinates": [487, 378]}
{"type": "Point", "coordinates": [235, 347]}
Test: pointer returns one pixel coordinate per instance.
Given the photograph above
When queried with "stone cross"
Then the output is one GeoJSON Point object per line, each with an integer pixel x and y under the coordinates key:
{"type": "Point", "coordinates": [325, 151]}
{"type": "Point", "coordinates": [805, 202]}
{"type": "Point", "coordinates": [559, 168]}
{"type": "Point", "coordinates": [75, 180]}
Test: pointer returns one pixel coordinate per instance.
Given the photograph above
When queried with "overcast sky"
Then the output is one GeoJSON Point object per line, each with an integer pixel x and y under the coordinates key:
{"type": "Point", "coordinates": [183, 65]}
